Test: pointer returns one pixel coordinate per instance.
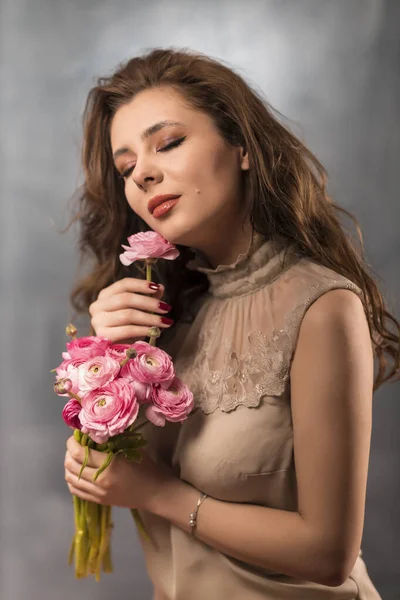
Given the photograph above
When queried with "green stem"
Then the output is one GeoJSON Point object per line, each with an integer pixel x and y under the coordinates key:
{"type": "Point", "coordinates": [85, 462]}
{"type": "Point", "coordinates": [107, 562]}
{"type": "Point", "coordinates": [94, 537]}
{"type": "Point", "coordinates": [75, 500]}
{"type": "Point", "coordinates": [100, 509]}
{"type": "Point", "coordinates": [81, 542]}
{"type": "Point", "coordinates": [139, 524]}
{"type": "Point", "coordinates": [152, 340]}
{"type": "Point", "coordinates": [75, 396]}
{"type": "Point", "coordinates": [105, 532]}
{"type": "Point", "coordinates": [148, 270]}
{"type": "Point", "coordinates": [140, 426]}
{"type": "Point", "coordinates": [103, 466]}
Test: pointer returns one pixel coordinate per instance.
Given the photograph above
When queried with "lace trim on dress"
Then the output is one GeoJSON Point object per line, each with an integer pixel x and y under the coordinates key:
{"type": "Point", "coordinates": [263, 368]}
{"type": "Point", "coordinates": [245, 379]}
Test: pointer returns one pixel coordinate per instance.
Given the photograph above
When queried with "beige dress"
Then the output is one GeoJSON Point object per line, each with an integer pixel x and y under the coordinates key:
{"type": "Point", "coordinates": [237, 444]}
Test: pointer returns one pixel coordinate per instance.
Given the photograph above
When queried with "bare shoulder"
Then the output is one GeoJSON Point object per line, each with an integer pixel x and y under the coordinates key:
{"type": "Point", "coordinates": [338, 306]}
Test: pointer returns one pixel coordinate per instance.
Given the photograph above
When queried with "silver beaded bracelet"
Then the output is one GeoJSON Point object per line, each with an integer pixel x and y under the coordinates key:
{"type": "Point", "coordinates": [193, 515]}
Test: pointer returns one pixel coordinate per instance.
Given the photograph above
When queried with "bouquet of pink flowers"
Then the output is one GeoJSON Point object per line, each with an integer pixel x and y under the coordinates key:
{"type": "Point", "coordinates": [113, 390]}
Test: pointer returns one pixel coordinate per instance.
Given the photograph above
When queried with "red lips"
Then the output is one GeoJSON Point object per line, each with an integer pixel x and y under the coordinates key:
{"type": "Point", "coordinates": [156, 200]}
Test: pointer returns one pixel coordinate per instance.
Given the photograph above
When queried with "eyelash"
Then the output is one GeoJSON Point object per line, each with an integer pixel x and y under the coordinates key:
{"type": "Point", "coordinates": [173, 144]}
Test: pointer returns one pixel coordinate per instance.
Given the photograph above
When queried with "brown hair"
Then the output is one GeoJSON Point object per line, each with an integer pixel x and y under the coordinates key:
{"type": "Point", "coordinates": [285, 189]}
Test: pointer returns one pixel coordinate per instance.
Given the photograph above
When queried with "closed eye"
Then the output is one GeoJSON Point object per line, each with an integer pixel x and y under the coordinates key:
{"type": "Point", "coordinates": [173, 144]}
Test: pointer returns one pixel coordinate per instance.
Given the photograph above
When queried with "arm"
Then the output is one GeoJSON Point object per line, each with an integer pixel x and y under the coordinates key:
{"type": "Point", "coordinates": [331, 399]}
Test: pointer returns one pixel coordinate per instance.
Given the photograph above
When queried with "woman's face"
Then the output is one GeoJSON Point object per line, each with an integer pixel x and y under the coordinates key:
{"type": "Point", "coordinates": [189, 158]}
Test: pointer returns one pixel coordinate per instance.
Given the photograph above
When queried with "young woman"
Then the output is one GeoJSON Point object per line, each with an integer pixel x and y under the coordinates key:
{"type": "Point", "coordinates": [276, 322]}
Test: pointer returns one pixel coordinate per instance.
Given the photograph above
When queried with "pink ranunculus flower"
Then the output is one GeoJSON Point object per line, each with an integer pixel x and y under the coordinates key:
{"type": "Point", "coordinates": [118, 351]}
{"type": "Point", "coordinates": [147, 244]}
{"type": "Point", "coordinates": [173, 404]}
{"type": "Point", "coordinates": [86, 347]}
{"type": "Point", "coordinates": [97, 372]}
{"type": "Point", "coordinates": [71, 412]}
{"type": "Point", "coordinates": [151, 365]}
{"type": "Point", "coordinates": [68, 369]}
{"type": "Point", "coordinates": [142, 390]}
{"type": "Point", "coordinates": [109, 410]}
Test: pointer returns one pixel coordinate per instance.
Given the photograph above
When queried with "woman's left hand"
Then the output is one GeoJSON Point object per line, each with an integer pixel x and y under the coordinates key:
{"type": "Point", "coordinates": [123, 483]}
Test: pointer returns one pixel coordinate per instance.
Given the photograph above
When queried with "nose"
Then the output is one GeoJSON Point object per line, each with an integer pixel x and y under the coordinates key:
{"type": "Point", "coordinates": [144, 174]}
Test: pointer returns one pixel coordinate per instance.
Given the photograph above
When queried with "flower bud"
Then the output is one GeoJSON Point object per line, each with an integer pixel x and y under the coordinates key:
{"type": "Point", "coordinates": [130, 353]}
{"type": "Point", "coordinates": [71, 330]}
{"type": "Point", "coordinates": [154, 332]}
{"type": "Point", "coordinates": [63, 386]}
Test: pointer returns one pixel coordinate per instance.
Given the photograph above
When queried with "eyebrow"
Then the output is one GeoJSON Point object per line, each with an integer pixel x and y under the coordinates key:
{"type": "Point", "coordinates": [147, 133]}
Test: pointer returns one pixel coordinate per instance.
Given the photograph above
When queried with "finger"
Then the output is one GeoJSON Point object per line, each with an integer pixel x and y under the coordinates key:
{"type": "Point", "coordinates": [128, 333]}
{"type": "Point", "coordinates": [128, 300]}
{"type": "Point", "coordinates": [89, 487]}
{"type": "Point", "coordinates": [84, 495]}
{"type": "Point", "coordinates": [77, 453]}
{"type": "Point", "coordinates": [130, 284]}
{"type": "Point", "coordinates": [130, 316]}
{"type": "Point", "coordinates": [74, 467]}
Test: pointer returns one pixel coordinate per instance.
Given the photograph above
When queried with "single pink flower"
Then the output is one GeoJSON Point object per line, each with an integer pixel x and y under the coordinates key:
{"type": "Point", "coordinates": [97, 372]}
{"type": "Point", "coordinates": [86, 347]}
{"type": "Point", "coordinates": [118, 351]}
{"type": "Point", "coordinates": [71, 412]}
{"type": "Point", "coordinates": [143, 391]}
{"type": "Point", "coordinates": [109, 410]}
{"type": "Point", "coordinates": [151, 365]}
{"type": "Point", "coordinates": [173, 404]}
{"type": "Point", "coordinates": [148, 244]}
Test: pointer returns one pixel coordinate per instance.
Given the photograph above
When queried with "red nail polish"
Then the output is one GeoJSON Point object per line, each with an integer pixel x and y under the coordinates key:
{"type": "Point", "coordinates": [166, 321]}
{"type": "Point", "coordinates": [164, 306]}
{"type": "Point", "coordinates": [154, 286]}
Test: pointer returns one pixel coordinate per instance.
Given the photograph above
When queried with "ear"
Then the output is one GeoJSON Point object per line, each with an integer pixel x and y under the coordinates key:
{"type": "Point", "coordinates": [244, 159]}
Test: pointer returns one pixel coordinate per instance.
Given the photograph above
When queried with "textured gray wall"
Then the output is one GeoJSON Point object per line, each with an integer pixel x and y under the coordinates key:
{"type": "Point", "coordinates": [331, 66]}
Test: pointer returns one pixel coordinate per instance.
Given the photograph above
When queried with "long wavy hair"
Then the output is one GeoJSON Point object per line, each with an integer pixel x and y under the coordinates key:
{"type": "Point", "coordinates": [285, 190]}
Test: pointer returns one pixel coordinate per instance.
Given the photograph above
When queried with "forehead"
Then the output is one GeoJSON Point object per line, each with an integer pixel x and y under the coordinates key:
{"type": "Point", "coordinates": [149, 107]}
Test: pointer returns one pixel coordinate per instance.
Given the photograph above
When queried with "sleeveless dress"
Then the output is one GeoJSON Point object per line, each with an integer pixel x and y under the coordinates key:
{"type": "Point", "coordinates": [237, 444]}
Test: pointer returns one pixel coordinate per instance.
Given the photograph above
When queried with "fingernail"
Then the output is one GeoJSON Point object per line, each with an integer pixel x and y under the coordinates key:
{"type": "Point", "coordinates": [164, 306]}
{"type": "Point", "coordinates": [154, 286]}
{"type": "Point", "coordinates": [166, 321]}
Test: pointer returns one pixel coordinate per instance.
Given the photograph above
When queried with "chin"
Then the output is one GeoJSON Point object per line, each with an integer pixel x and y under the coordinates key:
{"type": "Point", "coordinates": [175, 232]}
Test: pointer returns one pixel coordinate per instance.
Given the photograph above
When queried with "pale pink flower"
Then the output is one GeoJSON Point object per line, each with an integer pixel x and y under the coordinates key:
{"type": "Point", "coordinates": [173, 404]}
{"type": "Point", "coordinates": [142, 390]}
{"type": "Point", "coordinates": [108, 410]}
{"type": "Point", "coordinates": [68, 369]}
{"type": "Point", "coordinates": [151, 365]}
{"type": "Point", "coordinates": [71, 412]}
{"type": "Point", "coordinates": [148, 244]}
{"type": "Point", "coordinates": [97, 372]}
{"type": "Point", "coordinates": [86, 347]}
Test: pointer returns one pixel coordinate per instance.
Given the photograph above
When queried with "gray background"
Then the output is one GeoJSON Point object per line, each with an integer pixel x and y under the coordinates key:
{"type": "Point", "coordinates": [331, 66]}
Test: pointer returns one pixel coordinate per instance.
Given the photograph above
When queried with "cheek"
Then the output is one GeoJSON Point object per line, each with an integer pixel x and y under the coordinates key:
{"type": "Point", "coordinates": [210, 177]}
{"type": "Point", "coordinates": [138, 208]}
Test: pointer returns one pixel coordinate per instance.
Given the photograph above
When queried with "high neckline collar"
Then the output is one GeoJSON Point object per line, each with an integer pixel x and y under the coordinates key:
{"type": "Point", "coordinates": [259, 264]}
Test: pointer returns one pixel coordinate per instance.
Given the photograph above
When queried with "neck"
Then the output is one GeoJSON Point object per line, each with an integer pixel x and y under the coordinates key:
{"type": "Point", "coordinates": [224, 247]}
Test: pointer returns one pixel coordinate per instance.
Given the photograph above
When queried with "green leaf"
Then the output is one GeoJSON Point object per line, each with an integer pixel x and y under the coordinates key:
{"type": "Point", "coordinates": [128, 441]}
{"type": "Point", "coordinates": [132, 454]}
